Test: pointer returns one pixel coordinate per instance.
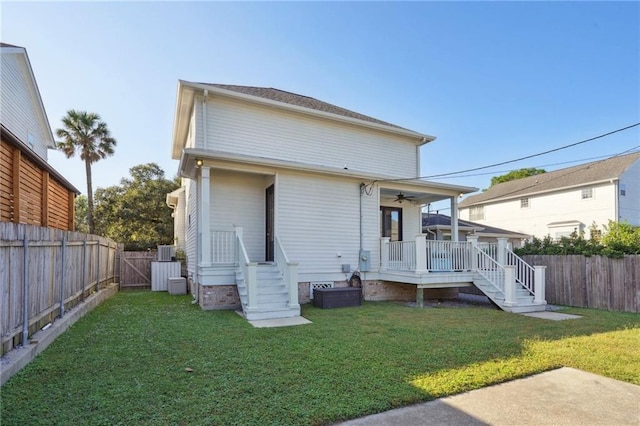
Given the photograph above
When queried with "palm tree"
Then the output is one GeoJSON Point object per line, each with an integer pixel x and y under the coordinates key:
{"type": "Point", "coordinates": [86, 133]}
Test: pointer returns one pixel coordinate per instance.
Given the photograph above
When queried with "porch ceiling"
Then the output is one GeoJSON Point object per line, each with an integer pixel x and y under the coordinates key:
{"type": "Point", "coordinates": [425, 196]}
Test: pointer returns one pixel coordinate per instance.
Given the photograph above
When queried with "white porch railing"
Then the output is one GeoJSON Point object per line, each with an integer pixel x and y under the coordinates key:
{"type": "Point", "coordinates": [525, 273]}
{"type": "Point", "coordinates": [223, 247]}
{"type": "Point", "coordinates": [422, 255]}
{"type": "Point", "coordinates": [289, 271]}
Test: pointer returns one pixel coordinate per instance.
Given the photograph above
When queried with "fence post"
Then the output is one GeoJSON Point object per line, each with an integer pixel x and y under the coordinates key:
{"type": "Point", "coordinates": [25, 292]}
{"type": "Point", "coordinates": [84, 267]}
{"type": "Point", "coordinates": [539, 284]}
{"type": "Point", "coordinates": [64, 249]}
{"type": "Point", "coordinates": [510, 286]}
{"type": "Point", "coordinates": [98, 262]}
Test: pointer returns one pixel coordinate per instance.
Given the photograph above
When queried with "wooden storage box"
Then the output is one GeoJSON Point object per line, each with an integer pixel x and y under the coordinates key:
{"type": "Point", "coordinates": [339, 297]}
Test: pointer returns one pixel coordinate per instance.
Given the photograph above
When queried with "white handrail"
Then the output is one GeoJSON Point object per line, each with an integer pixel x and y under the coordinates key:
{"type": "Point", "coordinates": [289, 271]}
{"type": "Point", "coordinates": [525, 273]}
{"type": "Point", "coordinates": [402, 255]}
{"type": "Point", "coordinates": [448, 255]}
{"type": "Point", "coordinates": [490, 269]}
{"type": "Point", "coordinates": [249, 272]}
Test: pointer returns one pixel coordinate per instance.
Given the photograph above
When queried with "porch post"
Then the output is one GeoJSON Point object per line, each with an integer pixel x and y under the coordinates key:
{"type": "Point", "coordinates": [473, 239]}
{"type": "Point", "coordinates": [454, 218]}
{"type": "Point", "coordinates": [539, 285]}
{"type": "Point", "coordinates": [204, 218]}
{"type": "Point", "coordinates": [510, 286]}
{"type": "Point", "coordinates": [502, 251]}
{"type": "Point", "coordinates": [384, 252]}
{"type": "Point", "coordinates": [421, 253]}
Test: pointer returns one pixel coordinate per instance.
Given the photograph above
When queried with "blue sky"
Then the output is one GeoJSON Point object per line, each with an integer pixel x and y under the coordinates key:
{"type": "Point", "coordinates": [492, 80]}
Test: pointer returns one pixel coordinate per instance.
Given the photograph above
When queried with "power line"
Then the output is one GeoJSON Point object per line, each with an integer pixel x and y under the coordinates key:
{"type": "Point", "coordinates": [542, 165]}
{"type": "Point", "coordinates": [515, 160]}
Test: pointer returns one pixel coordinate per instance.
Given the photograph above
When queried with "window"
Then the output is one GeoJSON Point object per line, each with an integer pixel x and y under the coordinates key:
{"type": "Point", "coordinates": [587, 193]}
{"type": "Point", "coordinates": [524, 203]}
{"type": "Point", "coordinates": [31, 139]}
{"type": "Point", "coordinates": [623, 190]}
{"type": "Point", "coordinates": [391, 222]}
{"type": "Point", "coordinates": [476, 213]}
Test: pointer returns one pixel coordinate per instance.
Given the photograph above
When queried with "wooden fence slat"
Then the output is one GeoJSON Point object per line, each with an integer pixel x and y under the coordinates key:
{"type": "Point", "coordinates": [46, 270]}
{"type": "Point", "coordinates": [591, 281]}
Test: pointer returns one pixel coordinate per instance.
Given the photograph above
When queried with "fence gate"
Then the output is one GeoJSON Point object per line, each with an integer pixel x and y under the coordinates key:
{"type": "Point", "coordinates": [135, 269]}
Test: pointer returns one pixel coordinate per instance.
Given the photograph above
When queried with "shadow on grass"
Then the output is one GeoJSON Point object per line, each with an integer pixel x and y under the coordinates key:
{"type": "Point", "coordinates": [127, 361]}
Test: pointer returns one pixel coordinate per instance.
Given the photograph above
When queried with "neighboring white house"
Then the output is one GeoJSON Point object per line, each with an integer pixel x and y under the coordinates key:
{"type": "Point", "coordinates": [31, 191]}
{"type": "Point", "coordinates": [284, 194]}
{"type": "Point", "coordinates": [563, 201]}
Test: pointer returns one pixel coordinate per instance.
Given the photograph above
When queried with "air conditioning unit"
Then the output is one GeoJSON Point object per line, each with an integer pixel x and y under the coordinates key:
{"type": "Point", "coordinates": [166, 253]}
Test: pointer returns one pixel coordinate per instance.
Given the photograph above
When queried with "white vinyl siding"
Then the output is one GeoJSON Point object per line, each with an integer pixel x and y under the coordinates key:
{"type": "Point", "coordinates": [239, 199]}
{"type": "Point", "coordinates": [191, 225]}
{"type": "Point", "coordinates": [545, 209]}
{"type": "Point", "coordinates": [243, 128]}
{"type": "Point", "coordinates": [629, 204]}
{"type": "Point", "coordinates": [20, 104]}
{"type": "Point", "coordinates": [317, 218]}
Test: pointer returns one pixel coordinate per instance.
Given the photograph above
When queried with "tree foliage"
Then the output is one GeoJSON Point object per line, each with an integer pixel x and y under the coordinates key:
{"type": "Point", "coordinates": [516, 174]}
{"type": "Point", "coordinates": [85, 132]}
{"type": "Point", "coordinates": [617, 240]}
{"type": "Point", "coordinates": [81, 214]}
{"type": "Point", "coordinates": [134, 212]}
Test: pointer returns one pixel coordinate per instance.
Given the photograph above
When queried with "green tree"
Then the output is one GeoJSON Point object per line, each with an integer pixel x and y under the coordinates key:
{"type": "Point", "coordinates": [81, 213]}
{"type": "Point", "coordinates": [516, 174]}
{"type": "Point", "coordinates": [135, 212]}
{"type": "Point", "coordinates": [85, 132]}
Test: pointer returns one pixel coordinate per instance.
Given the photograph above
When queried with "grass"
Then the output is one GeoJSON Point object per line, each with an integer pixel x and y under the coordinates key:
{"type": "Point", "coordinates": [124, 363]}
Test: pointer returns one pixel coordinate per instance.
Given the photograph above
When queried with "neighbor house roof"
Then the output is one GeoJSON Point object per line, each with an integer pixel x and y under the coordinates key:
{"type": "Point", "coordinates": [597, 171]}
{"type": "Point", "coordinates": [440, 221]}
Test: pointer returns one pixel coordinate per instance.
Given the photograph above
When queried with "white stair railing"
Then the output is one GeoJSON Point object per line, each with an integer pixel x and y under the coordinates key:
{"type": "Point", "coordinates": [289, 271]}
{"type": "Point", "coordinates": [249, 271]}
{"type": "Point", "coordinates": [490, 269]}
{"type": "Point", "coordinates": [524, 273]}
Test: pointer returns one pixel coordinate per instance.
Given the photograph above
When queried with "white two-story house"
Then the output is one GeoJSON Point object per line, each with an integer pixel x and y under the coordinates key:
{"type": "Point", "coordinates": [563, 201]}
{"type": "Point", "coordinates": [283, 194]}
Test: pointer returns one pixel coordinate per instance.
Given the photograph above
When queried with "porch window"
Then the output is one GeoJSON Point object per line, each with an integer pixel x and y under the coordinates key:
{"type": "Point", "coordinates": [391, 222]}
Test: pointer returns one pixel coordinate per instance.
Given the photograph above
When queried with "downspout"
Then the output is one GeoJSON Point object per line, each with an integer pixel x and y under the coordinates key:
{"type": "Point", "coordinates": [616, 206]}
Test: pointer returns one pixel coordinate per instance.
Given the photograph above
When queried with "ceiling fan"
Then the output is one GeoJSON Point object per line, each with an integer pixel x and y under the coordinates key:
{"type": "Point", "coordinates": [401, 197]}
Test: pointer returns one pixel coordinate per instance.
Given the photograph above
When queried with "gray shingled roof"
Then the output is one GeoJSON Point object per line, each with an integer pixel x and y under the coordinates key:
{"type": "Point", "coordinates": [582, 174]}
{"type": "Point", "coordinates": [9, 45]}
{"type": "Point", "coordinates": [434, 220]}
{"type": "Point", "coordinates": [299, 100]}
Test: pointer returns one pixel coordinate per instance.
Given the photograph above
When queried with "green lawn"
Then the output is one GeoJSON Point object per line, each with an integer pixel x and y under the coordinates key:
{"type": "Point", "coordinates": [124, 363]}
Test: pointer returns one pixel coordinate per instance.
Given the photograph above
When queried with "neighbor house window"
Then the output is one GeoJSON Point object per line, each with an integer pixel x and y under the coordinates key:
{"type": "Point", "coordinates": [524, 203]}
{"type": "Point", "coordinates": [587, 193]}
{"type": "Point", "coordinates": [476, 213]}
{"type": "Point", "coordinates": [623, 190]}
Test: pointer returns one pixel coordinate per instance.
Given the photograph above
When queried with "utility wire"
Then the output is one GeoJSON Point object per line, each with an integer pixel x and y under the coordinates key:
{"type": "Point", "coordinates": [515, 160]}
{"type": "Point", "coordinates": [542, 165]}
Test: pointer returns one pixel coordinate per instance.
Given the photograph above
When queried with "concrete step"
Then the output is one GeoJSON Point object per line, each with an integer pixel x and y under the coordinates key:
{"type": "Point", "coordinates": [272, 314]}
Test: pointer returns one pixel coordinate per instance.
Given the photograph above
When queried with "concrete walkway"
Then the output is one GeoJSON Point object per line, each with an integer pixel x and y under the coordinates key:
{"type": "Point", "coordinates": [565, 396]}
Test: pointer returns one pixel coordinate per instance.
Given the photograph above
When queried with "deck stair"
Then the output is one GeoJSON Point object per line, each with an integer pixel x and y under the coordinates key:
{"type": "Point", "coordinates": [272, 294]}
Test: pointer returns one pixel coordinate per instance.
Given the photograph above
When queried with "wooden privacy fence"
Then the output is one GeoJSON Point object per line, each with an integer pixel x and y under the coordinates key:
{"type": "Point", "coordinates": [135, 269]}
{"type": "Point", "coordinates": [591, 282]}
{"type": "Point", "coordinates": [44, 272]}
